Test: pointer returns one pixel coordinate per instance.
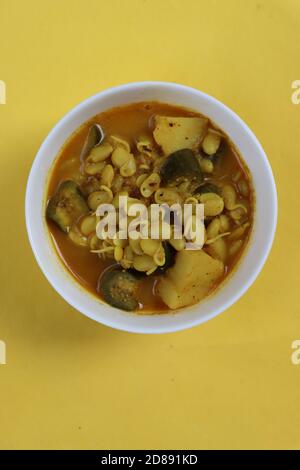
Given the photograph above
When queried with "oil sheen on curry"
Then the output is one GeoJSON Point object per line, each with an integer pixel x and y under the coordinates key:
{"type": "Point", "coordinates": [150, 153]}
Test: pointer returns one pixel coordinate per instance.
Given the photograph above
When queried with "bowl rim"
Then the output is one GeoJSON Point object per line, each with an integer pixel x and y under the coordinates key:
{"type": "Point", "coordinates": [171, 326]}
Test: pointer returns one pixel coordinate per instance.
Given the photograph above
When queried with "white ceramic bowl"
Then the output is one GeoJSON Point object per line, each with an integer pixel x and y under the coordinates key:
{"type": "Point", "coordinates": [260, 241]}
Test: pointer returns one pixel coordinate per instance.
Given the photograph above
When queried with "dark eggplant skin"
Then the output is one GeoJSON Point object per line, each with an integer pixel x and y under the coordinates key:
{"type": "Point", "coordinates": [170, 254]}
{"type": "Point", "coordinates": [94, 138]}
{"type": "Point", "coordinates": [207, 188]}
{"type": "Point", "coordinates": [181, 165]}
{"type": "Point", "coordinates": [118, 288]}
{"type": "Point", "coordinates": [137, 274]}
{"type": "Point", "coordinates": [67, 205]}
{"type": "Point", "coordinates": [220, 153]}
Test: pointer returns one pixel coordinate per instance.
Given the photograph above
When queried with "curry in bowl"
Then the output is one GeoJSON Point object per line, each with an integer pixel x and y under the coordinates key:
{"type": "Point", "coordinates": [149, 153]}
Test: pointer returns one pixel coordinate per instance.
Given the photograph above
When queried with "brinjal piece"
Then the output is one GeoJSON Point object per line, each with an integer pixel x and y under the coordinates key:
{"type": "Point", "coordinates": [94, 138]}
{"type": "Point", "coordinates": [67, 205]}
{"type": "Point", "coordinates": [207, 188]}
{"type": "Point", "coordinates": [170, 254]}
{"type": "Point", "coordinates": [221, 152]}
{"type": "Point", "coordinates": [119, 289]}
{"type": "Point", "coordinates": [181, 165]}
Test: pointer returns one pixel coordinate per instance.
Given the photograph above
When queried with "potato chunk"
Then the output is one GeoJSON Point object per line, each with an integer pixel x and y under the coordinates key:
{"type": "Point", "coordinates": [176, 133]}
{"type": "Point", "coordinates": [190, 279]}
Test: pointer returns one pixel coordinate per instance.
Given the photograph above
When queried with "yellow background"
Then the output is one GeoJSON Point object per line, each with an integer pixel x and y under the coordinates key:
{"type": "Point", "coordinates": [71, 383]}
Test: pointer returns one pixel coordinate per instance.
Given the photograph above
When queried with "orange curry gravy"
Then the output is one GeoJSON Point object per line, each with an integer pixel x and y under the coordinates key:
{"type": "Point", "coordinates": [129, 122]}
